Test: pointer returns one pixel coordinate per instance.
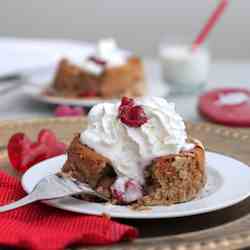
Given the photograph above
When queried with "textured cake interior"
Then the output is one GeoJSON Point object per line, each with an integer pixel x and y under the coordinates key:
{"type": "Point", "coordinates": [169, 179]}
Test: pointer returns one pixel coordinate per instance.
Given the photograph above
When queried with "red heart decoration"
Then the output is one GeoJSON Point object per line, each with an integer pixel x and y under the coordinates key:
{"type": "Point", "coordinates": [47, 137]}
{"type": "Point", "coordinates": [23, 153]}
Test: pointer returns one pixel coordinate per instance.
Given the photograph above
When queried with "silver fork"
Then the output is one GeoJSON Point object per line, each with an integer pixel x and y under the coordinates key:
{"type": "Point", "coordinates": [52, 187]}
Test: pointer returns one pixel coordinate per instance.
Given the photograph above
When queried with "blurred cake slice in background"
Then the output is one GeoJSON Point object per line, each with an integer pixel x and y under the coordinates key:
{"type": "Point", "coordinates": [109, 73]}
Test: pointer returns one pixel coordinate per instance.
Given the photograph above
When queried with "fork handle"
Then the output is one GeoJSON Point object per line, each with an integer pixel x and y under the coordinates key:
{"type": "Point", "coordinates": [19, 203]}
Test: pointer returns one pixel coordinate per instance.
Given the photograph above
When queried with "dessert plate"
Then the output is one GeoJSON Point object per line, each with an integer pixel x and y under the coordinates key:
{"type": "Point", "coordinates": [157, 88]}
{"type": "Point", "coordinates": [228, 183]}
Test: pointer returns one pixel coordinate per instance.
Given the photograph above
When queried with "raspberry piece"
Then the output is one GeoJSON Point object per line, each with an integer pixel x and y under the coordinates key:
{"type": "Point", "coordinates": [125, 104]}
{"type": "Point", "coordinates": [127, 101]}
{"type": "Point", "coordinates": [78, 111]}
{"type": "Point", "coordinates": [131, 114]}
{"type": "Point", "coordinates": [63, 110]}
{"type": "Point", "coordinates": [97, 60]}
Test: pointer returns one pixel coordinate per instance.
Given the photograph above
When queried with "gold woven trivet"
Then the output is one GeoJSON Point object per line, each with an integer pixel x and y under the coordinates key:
{"type": "Point", "coordinates": [225, 229]}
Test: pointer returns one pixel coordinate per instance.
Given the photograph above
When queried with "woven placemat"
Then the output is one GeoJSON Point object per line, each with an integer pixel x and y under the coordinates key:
{"type": "Point", "coordinates": [225, 229]}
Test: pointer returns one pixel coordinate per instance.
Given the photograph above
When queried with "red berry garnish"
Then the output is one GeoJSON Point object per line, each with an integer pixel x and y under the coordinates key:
{"type": "Point", "coordinates": [134, 116]}
{"type": "Point", "coordinates": [131, 114]}
{"type": "Point", "coordinates": [23, 153]}
{"type": "Point", "coordinates": [125, 104]}
{"type": "Point", "coordinates": [78, 111]}
{"type": "Point", "coordinates": [63, 110]}
{"type": "Point", "coordinates": [127, 101]}
{"type": "Point", "coordinates": [97, 60]}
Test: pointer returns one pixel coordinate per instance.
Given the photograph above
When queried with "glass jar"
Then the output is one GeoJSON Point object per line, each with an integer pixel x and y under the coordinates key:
{"type": "Point", "coordinates": [184, 70]}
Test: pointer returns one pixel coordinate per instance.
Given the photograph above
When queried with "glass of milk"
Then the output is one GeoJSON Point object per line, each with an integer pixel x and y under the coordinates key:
{"type": "Point", "coordinates": [184, 70]}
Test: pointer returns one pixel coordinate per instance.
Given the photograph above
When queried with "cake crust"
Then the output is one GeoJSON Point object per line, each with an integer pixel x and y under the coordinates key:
{"type": "Point", "coordinates": [85, 164]}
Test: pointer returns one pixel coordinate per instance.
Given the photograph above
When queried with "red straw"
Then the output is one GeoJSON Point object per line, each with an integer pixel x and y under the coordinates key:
{"type": "Point", "coordinates": [210, 24]}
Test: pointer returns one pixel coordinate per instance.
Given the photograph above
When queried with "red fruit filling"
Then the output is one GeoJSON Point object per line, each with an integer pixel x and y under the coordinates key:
{"type": "Point", "coordinates": [131, 114]}
{"type": "Point", "coordinates": [127, 192]}
{"type": "Point", "coordinates": [118, 195]}
{"type": "Point", "coordinates": [23, 153]}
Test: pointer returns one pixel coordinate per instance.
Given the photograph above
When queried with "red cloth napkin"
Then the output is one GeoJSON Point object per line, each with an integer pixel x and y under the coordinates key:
{"type": "Point", "coordinates": [37, 226]}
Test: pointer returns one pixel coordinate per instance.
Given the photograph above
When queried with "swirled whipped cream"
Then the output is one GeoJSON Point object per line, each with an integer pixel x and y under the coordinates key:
{"type": "Point", "coordinates": [108, 51]}
{"type": "Point", "coordinates": [131, 149]}
{"type": "Point", "coordinates": [107, 54]}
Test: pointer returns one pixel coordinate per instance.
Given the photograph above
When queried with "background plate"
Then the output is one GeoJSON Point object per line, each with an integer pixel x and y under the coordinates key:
{"type": "Point", "coordinates": [36, 92]}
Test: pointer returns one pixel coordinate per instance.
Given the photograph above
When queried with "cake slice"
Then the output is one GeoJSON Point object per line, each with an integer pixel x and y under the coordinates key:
{"type": "Point", "coordinates": [137, 152]}
{"type": "Point", "coordinates": [169, 179]}
{"type": "Point", "coordinates": [108, 73]}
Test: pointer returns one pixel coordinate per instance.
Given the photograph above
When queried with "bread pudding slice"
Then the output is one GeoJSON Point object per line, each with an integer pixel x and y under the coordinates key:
{"type": "Point", "coordinates": [108, 73]}
{"type": "Point", "coordinates": [168, 179]}
{"type": "Point", "coordinates": [137, 152]}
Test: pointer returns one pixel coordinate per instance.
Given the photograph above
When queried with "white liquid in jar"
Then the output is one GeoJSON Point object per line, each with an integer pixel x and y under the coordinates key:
{"type": "Point", "coordinates": [182, 66]}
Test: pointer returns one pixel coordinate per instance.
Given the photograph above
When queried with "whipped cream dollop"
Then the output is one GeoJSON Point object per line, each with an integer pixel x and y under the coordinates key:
{"type": "Point", "coordinates": [107, 52]}
{"type": "Point", "coordinates": [131, 149]}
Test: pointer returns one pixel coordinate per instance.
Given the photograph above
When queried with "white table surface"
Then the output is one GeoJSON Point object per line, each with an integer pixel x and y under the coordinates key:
{"type": "Point", "coordinates": [232, 74]}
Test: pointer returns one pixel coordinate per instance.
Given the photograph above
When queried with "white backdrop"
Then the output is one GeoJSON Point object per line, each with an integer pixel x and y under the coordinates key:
{"type": "Point", "coordinates": [137, 24]}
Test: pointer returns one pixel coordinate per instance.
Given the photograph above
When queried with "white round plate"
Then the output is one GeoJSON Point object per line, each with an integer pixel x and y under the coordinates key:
{"type": "Point", "coordinates": [157, 88]}
{"type": "Point", "coordinates": [228, 183]}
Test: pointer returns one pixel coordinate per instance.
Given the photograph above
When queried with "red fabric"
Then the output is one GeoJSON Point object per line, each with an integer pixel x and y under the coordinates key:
{"type": "Point", "coordinates": [37, 226]}
{"type": "Point", "coordinates": [232, 115]}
